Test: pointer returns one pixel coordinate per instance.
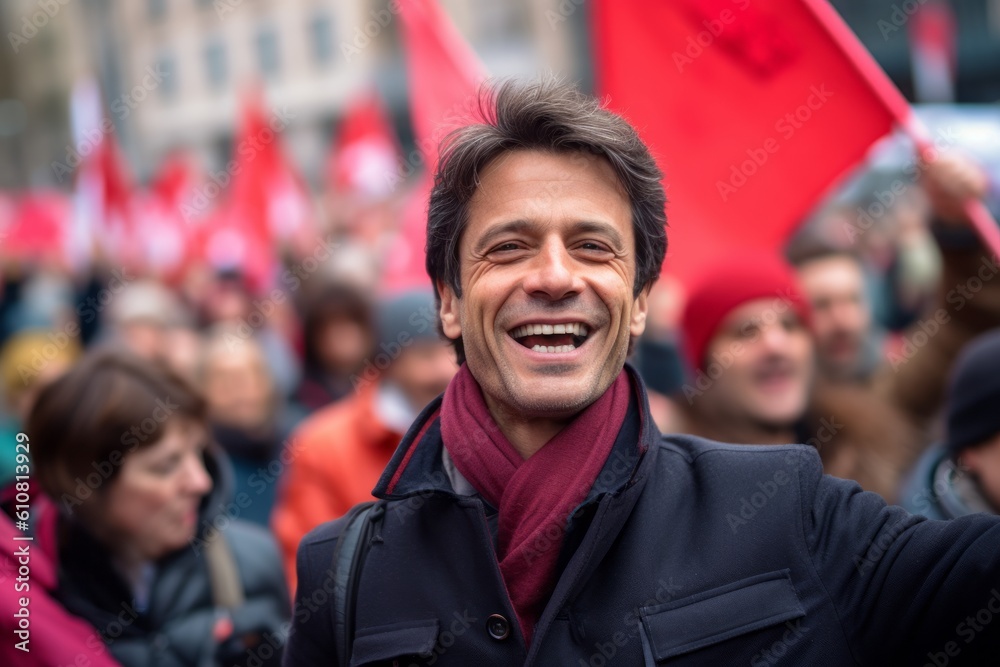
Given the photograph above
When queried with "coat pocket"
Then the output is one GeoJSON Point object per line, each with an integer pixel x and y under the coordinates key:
{"type": "Point", "coordinates": [387, 642]}
{"type": "Point", "coordinates": [716, 615]}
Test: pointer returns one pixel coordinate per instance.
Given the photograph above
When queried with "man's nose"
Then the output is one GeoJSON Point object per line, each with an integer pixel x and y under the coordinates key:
{"type": "Point", "coordinates": [553, 273]}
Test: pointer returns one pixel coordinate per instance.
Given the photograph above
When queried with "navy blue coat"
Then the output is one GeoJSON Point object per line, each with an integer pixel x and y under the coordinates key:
{"type": "Point", "coordinates": [686, 552]}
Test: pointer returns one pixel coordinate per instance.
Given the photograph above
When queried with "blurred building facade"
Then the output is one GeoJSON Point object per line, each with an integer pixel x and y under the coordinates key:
{"type": "Point", "coordinates": [174, 73]}
{"type": "Point", "coordinates": [44, 52]}
{"type": "Point", "coordinates": [188, 65]}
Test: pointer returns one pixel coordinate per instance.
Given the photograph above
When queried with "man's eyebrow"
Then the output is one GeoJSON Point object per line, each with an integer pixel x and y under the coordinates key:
{"type": "Point", "coordinates": [513, 226]}
{"type": "Point", "coordinates": [594, 227]}
{"type": "Point", "coordinates": [522, 226]}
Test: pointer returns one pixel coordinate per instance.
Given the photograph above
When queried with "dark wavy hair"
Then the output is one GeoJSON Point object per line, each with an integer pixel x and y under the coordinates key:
{"type": "Point", "coordinates": [547, 116]}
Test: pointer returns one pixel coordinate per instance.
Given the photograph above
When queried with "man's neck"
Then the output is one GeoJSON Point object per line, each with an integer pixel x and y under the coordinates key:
{"type": "Point", "coordinates": [526, 435]}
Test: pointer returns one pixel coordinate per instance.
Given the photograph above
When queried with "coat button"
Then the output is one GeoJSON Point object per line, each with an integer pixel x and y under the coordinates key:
{"type": "Point", "coordinates": [498, 627]}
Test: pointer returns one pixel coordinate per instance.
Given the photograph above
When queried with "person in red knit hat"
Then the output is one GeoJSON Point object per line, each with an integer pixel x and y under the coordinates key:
{"type": "Point", "coordinates": [746, 323]}
{"type": "Point", "coordinates": [752, 344]}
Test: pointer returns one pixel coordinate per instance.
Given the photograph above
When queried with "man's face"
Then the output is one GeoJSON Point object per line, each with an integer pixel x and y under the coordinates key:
{"type": "Point", "coordinates": [547, 271]}
{"type": "Point", "coordinates": [761, 364]}
{"type": "Point", "coordinates": [841, 316]}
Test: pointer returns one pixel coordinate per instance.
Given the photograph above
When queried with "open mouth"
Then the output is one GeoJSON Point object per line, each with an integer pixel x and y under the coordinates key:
{"type": "Point", "coordinates": [551, 337]}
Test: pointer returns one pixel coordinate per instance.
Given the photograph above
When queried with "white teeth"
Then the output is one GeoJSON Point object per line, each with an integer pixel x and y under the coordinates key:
{"type": "Point", "coordinates": [554, 348]}
{"type": "Point", "coordinates": [574, 328]}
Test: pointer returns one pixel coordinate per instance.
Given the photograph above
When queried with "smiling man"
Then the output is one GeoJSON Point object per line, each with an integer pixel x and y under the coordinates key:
{"type": "Point", "coordinates": [533, 514]}
{"type": "Point", "coordinates": [545, 304]}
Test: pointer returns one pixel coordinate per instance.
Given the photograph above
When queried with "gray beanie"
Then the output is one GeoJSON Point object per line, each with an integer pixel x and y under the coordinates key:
{"type": "Point", "coordinates": [407, 317]}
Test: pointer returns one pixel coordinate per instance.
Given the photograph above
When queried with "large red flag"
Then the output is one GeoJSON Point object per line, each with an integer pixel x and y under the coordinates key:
{"type": "Point", "coordinates": [752, 110]}
{"type": "Point", "coordinates": [444, 78]}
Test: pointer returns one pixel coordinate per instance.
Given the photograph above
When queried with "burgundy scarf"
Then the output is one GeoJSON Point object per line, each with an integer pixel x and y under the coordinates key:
{"type": "Point", "coordinates": [536, 496]}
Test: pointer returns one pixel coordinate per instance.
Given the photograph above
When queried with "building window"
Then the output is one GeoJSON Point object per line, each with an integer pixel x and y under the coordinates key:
{"type": "Point", "coordinates": [215, 64]}
{"type": "Point", "coordinates": [267, 53]}
{"type": "Point", "coordinates": [156, 9]}
{"type": "Point", "coordinates": [167, 67]}
{"type": "Point", "coordinates": [320, 43]}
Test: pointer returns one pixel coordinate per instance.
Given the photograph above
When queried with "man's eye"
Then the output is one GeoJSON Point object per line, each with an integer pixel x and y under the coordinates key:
{"type": "Point", "coordinates": [506, 247]}
{"type": "Point", "coordinates": [593, 246]}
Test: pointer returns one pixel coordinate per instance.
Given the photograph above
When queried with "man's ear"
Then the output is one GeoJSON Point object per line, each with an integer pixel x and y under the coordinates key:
{"type": "Point", "coordinates": [639, 310]}
{"type": "Point", "coordinates": [451, 324]}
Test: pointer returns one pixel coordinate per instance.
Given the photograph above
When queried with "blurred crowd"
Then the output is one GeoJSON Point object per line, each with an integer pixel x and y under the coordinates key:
{"type": "Point", "coordinates": [165, 415]}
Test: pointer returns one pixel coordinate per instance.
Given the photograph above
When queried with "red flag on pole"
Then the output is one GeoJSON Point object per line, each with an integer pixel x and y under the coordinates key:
{"type": "Point", "coordinates": [104, 193]}
{"type": "Point", "coordinates": [267, 190]}
{"type": "Point", "coordinates": [752, 111]}
{"type": "Point", "coordinates": [167, 235]}
{"type": "Point", "coordinates": [267, 205]}
{"type": "Point", "coordinates": [365, 156]}
{"type": "Point", "coordinates": [444, 74]}
{"type": "Point", "coordinates": [444, 78]}
{"type": "Point", "coordinates": [932, 52]}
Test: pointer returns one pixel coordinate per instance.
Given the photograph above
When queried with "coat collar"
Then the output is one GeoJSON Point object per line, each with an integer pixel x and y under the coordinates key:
{"type": "Point", "coordinates": [417, 467]}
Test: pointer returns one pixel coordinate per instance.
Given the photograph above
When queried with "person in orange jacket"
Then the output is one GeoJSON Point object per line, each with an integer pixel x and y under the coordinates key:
{"type": "Point", "coordinates": [337, 455]}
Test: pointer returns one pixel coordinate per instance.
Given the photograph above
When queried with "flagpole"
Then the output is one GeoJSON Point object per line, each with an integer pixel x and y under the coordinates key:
{"type": "Point", "coordinates": [883, 87]}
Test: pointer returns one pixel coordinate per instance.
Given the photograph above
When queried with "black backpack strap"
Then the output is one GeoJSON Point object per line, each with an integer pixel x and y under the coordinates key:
{"type": "Point", "coordinates": [348, 559]}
